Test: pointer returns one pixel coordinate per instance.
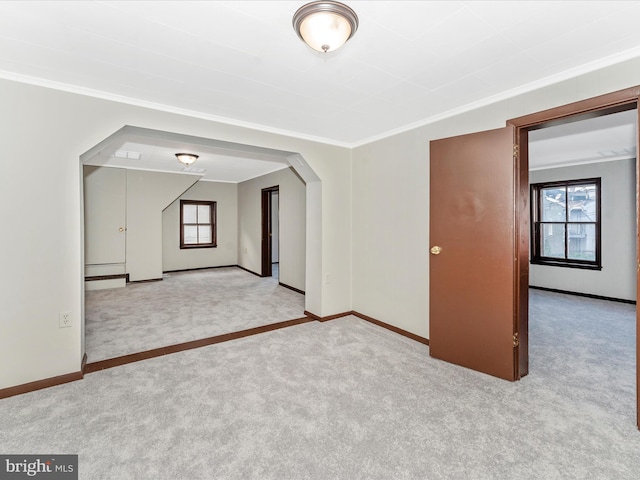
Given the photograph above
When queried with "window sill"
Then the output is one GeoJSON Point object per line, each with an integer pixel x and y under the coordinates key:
{"type": "Point", "coordinates": [551, 263]}
{"type": "Point", "coordinates": [189, 247]}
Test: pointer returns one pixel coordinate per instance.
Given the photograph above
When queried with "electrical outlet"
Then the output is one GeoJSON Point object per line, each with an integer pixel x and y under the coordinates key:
{"type": "Point", "coordinates": [64, 319]}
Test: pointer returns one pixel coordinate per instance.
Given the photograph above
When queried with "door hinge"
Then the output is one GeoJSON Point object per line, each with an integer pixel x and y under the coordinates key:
{"type": "Point", "coordinates": [515, 151]}
{"type": "Point", "coordinates": [516, 340]}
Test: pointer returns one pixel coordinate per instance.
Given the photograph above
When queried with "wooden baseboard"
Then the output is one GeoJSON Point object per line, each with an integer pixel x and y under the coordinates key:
{"type": "Point", "coordinates": [159, 352]}
{"type": "Point", "coordinates": [402, 332]}
{"type": "Point", "coordinates": [40, 384]}
{"type": "Point", "coordinates": [369, 319]}
{"type": "Point", "coordinates": [297, 290]}
{"type": "Point", "coordinates": [247, 270]}
{"type": "Point", "coordinates": [148, 280]}
{"type": "Point", "coordinates": [199, 268]}
{"type": "Point", "coordinates": [587, 295]}
{"type": "Point", "coordinates": [125, 359]}
{"type": "Point", "coordinates": [326, 319]}
{"type": "Point", "coordinates": [107, 277]}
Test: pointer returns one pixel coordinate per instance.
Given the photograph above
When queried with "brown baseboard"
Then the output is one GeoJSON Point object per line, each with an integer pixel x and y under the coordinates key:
{"type": "Point", "coordinates": [402, 332]}
{"type": "Point", "coordinates": [107, 277]}
{"type": "Point", "coordinates": [40, 384]}
{"type": "Point", "coordinates": [297, 290]}
{"type": "Point", "coordinates": [159, 352]}
{"type": "Point", "coordinates": [326, 319]}
{"type": "Point", "coordinates": [587, 295]}
{"type": "Point", "coordinates": [199, 268]}
{"type": "Point", "coordinates": [148, 280]}
{"type": "Point", "coordinates": [369, 319]}
{"type": "Point", "coordinates": [247, 270]}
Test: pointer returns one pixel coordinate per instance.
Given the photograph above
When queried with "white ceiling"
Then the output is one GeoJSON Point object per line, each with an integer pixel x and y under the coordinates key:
{"type": "Point", "coordinates": [143, 149]}
{"type": "Point", "coordinates": [601, 139]}
{"type": "Point", "coordinates": [241, 62]}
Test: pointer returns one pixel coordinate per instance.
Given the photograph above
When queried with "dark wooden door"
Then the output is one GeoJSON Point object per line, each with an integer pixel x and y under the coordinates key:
{"type": "Point", "coordinates": [472, 275]}
{"type": "Point", "coordinates": [267, 230]}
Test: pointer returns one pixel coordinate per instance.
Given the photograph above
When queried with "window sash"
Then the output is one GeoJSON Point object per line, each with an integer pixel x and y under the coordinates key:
{"type": "Point", "coordinates": [197, 224]}
{"type": "Point", "coordinates": [565, 227]}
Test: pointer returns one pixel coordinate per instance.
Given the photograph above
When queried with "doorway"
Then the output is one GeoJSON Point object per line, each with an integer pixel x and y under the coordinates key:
{"type": "Point", "coordinates": [505, 150]}
{"type": "Point", "coordinates": [270, 231]}
{"type": "Point", "coordinates": [615, 102]}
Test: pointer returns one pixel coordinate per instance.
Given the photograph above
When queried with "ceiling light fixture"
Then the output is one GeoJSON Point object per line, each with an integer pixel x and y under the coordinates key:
{"type": "Point", "coordinates": [325, 26]}
{"type": "Point", "coordinates": [186, 158]}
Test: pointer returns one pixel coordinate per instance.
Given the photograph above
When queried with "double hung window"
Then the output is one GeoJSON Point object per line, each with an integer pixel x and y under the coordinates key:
{"type": "Point", "coordinates": [197, 224]}
{"type": "Point", "coordinates": [565, 223]}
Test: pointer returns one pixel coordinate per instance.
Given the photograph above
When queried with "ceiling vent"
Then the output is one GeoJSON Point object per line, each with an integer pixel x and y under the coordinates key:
{"type": "Point", "coordinates": [127, 154]}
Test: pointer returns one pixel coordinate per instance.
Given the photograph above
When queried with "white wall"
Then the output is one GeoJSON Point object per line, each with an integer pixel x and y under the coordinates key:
{"type": "Point", "coordinates": [386, 264]}
{"type": "Point", "coordinates": [148, 194]}
{"type": "Point", "coordinates": [390, 255]}
{"type": "Point", "coordinates": [292, 207]}
{"type": "Point", "coordinates": [617, 279]}
{"type": "Point", "coordinates": [226, 253]}
{"type": "Point", "coordinates": [135, 200]}
{"type": "Point", "coordinates": [44, 266]}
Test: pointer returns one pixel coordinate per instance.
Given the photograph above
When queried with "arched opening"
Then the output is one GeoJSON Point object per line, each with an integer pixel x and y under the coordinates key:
{"type": "Point", "coordinates": [133, 248]}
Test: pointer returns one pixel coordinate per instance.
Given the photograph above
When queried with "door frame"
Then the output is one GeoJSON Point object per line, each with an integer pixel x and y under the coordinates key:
{"type": "Point", "coordinates": [618, 101]}
{"type": "Point", "coordinates": [267, 230]}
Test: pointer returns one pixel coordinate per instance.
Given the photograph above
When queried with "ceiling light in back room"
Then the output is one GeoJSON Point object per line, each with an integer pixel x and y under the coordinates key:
{"type": "Point", "coordinates": [325, 26]}
{"type": "Point", "coordinates": [186, 158]}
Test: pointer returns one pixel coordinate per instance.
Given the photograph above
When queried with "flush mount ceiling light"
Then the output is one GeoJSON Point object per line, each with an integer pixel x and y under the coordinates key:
{"type": "Point", "coordinates": [325, 26]}
{"type": "Point", "coordinates": [186, 158]}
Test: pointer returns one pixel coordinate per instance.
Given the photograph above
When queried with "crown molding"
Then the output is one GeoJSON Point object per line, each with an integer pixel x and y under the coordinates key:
{"type": "Point", "coordinates": [89, 92]}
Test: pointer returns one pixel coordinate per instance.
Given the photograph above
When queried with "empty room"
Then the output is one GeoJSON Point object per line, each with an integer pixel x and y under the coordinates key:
{"type": "Point", "coordinates": [293, 240]}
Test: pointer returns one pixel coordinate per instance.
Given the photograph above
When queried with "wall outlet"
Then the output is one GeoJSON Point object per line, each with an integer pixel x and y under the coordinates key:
{"type": "Point", "coordinates": [64, 319]}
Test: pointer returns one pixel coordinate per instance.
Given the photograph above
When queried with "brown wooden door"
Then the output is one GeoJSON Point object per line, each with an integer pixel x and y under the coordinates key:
{"type": "Point", "coordinates": [472, 280]}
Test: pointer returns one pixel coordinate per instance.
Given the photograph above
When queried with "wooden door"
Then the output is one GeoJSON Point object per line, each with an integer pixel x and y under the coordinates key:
{"type": "Point", "coordinates": [267, 230]}
{"type": "Point", "coordinates": [472, 275]}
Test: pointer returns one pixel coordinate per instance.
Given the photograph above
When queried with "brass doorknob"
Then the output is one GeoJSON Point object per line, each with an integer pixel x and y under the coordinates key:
{"type": "Point", "coordinates": [121, 229]}
{"type": "Point", "coordinates": [435, 250]}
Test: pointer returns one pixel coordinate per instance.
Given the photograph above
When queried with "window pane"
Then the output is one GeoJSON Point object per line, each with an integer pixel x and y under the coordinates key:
{"type": "Point", "coordinates": [189, 214]}
{"type": "Point", "coordinates": [203, 214]}
{"type": "Point", "coordinates": [582, 203]}
{"type": "Point", "coordinates": [582, 242]}
{"type": "Point", "coordinates": [190, 234]}
{"type": "Point", "coordinates": [553, 204]}
{"type": "Point", "coordinates": [552, 241]}
{"type": "Point", "coordinates": [204, 232]}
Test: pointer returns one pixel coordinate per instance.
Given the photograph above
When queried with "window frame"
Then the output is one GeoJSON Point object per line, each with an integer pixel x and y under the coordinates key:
{"type": "Point", "coordinates": [536, 225]}
{"type": "Point", "coordinates": [212, 222]}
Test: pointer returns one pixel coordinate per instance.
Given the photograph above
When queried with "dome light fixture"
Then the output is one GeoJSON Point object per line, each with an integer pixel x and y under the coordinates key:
{"type": "Point", "coordinates": [325, 26]}
{"type": "Point", "coordinates": [186, 158]}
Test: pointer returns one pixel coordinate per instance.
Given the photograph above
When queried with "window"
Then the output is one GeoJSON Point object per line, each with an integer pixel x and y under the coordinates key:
{"type": "Point", "coordinates": [197, 224]}
{"type": "Point", "coordinates": [565, 223]}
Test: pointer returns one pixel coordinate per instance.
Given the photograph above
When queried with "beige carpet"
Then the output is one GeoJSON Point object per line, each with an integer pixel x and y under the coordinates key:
{"type": "Point", "coordinates": [184, 306]}
{"type": "Point", "coordinates": [349, 400]}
